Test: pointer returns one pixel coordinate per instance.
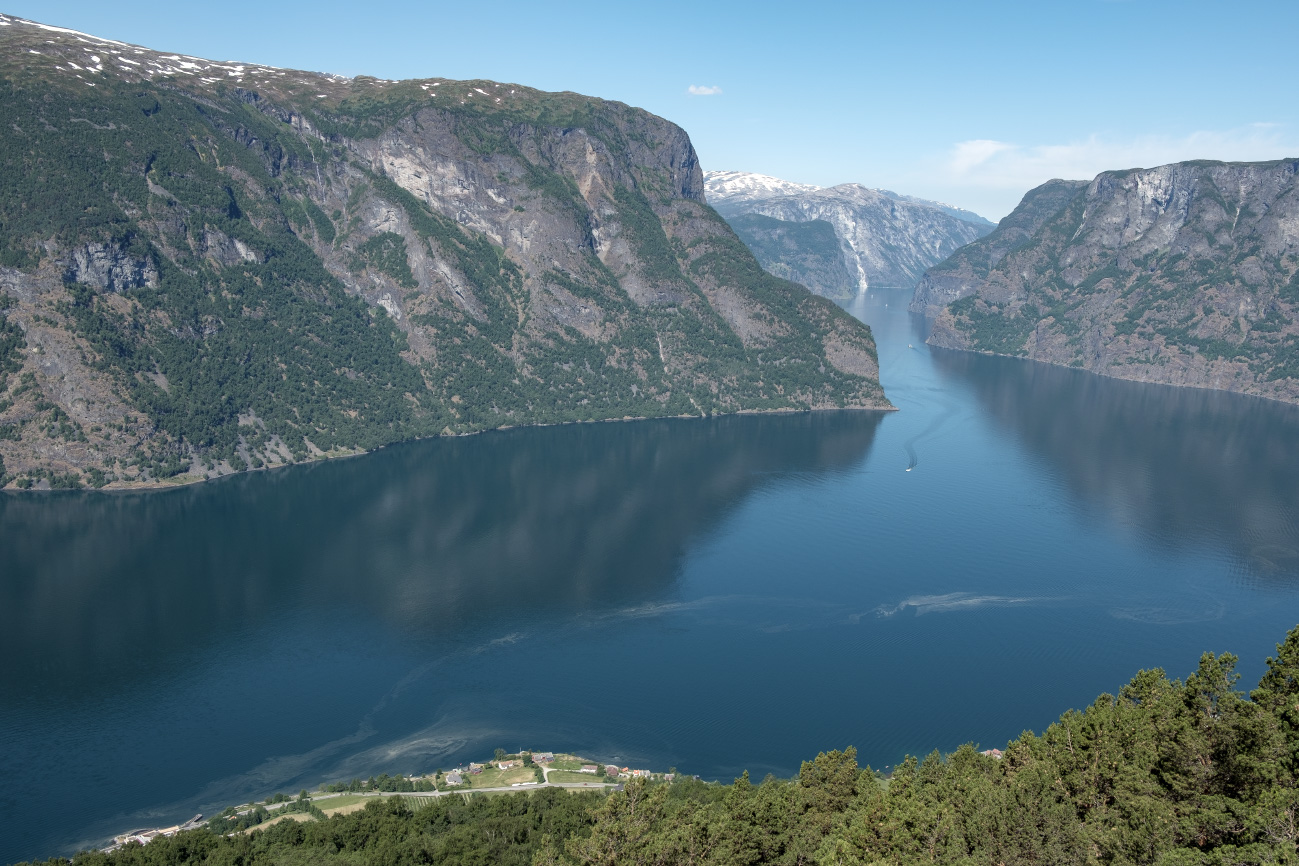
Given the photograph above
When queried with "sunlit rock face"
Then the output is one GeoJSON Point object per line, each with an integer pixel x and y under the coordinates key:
{"type": "Point", "coordinates": [248, 266]}
{"type": "Point", "coordinates": [1186, 274]}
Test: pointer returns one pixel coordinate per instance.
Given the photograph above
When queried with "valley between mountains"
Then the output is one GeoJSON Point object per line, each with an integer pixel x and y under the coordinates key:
{"type": "Point", "coordinates": [844, 239]}
{"type": "Point", "coordinates": [207, 267]}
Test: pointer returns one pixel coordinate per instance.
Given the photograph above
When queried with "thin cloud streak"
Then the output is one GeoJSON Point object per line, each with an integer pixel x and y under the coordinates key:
{"type": "Point", "coordinates": [703, 90]}
{"type": "Point", "coordinates": [969, 155]}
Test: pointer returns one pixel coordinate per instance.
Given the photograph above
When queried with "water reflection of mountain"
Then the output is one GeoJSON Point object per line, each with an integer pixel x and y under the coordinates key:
{"type": "Point", "coordinates": [1184, 466]}
{"type": "Point", "coordinates": [423, 537]}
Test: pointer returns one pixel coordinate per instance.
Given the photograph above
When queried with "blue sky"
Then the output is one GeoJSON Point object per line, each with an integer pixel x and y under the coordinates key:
{"type": "Point", "coordinates": [969, 103]}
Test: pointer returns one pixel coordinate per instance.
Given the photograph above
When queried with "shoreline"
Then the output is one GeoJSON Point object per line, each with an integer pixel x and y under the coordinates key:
{"type": "Point", "coordinates": [1111, 375]}
{"type": "Point", "coordinates": [182, 481]}
{"type": "Point", "coordinates": [523, 768]}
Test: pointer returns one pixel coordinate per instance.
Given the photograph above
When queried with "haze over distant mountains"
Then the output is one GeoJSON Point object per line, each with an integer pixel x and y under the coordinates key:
{"type": "Point", "coordinates": [884, 238]}
{"type": "Point", "coordinates": [732, 188]}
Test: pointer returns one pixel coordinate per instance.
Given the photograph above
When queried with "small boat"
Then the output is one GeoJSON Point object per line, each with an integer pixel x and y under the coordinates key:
{"type": "Point", "coordinates": [909, 468]}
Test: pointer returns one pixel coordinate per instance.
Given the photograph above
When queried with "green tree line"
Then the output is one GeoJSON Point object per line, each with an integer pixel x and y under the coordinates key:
{"type": "Point", "coordinates": [1168, 772]}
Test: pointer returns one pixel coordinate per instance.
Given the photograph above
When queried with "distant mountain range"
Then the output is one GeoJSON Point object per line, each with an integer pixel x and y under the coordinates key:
{"type": "Point", "coordinates": [734, 188]}
{"type": "Point", "coordinates": [1186, 274]}
{"type": "Point", "coordinates": [206, 266]}
{"type": "Point", "coordinates": [884, 239]}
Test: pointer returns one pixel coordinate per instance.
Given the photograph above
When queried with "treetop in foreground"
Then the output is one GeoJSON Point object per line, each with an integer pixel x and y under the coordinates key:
{"type": "Point", "coordinates": [1164, 772]}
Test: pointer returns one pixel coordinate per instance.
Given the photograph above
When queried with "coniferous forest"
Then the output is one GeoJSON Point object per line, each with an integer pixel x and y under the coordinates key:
{"type": "Point", "coordinates": [1166, 771]}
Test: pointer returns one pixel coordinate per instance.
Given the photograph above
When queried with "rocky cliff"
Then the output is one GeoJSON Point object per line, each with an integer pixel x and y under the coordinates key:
{"type": "Point", "coordinates": [966, 269]}
{"type": "Point", "coordinates": [208, 266]}
{"type": "Point", "coordinates": [1186, 274]}
{"type": "Point", "coordinates": [885, 239]}
{"type": "Point", "coordinates": [805, 252]}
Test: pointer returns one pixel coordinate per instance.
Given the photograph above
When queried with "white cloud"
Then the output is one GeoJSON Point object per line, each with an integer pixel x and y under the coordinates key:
{"type": "Point", "coordinates": [703, 90]}
{"type": "Point", "coordinates": [968, 155]}
{"type": "Point", "coordinates": [1001, 171]}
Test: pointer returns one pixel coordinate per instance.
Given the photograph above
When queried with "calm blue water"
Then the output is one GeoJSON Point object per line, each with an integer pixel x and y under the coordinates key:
{"type": "Point", "coordinates": [719, 595]}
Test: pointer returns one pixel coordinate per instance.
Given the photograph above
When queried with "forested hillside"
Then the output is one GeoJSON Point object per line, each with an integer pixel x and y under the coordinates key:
{"type": "Point", "coordinates": [1165, 771]}
{"type": "Point", "coordinates": [208, 266]}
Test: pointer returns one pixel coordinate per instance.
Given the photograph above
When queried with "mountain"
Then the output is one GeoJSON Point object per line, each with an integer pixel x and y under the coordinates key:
{"type": "Point", "coordinates": [885, 239]}
{"type": "Point", "coordinates": [806, 252]}
{"type": "Point", "coordinates": [1186, 274]}
{"type": "Point", "coordinates": [960, 213]}
{"type": "Point", "coordinates": [734, 188]}
{"type": "Point", "coordinates": [963, 271]}
{"type": "Point", "coordinates": [210, 265]}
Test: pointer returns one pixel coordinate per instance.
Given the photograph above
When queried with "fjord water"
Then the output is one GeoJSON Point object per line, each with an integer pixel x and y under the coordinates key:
{"type": "Point", "coordinates": [715, 595]}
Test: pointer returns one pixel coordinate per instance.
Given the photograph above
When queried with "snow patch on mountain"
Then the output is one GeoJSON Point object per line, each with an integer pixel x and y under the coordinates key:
{"type": "Point", "coordinates": [742, 186]}
{"type": "Point", "coordinates": [887, 239]}
{"type": "Point", "coordinates": [732, 188]}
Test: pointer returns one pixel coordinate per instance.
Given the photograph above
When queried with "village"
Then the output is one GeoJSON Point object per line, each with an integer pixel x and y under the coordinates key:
{"type": "Point", "coordinates": [144, 837]}
{"type": "Point", "coordinates": [504, 773]}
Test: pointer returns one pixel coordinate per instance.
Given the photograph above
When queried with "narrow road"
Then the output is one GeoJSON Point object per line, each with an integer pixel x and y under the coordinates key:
{"type": "Point", "coordinates": [321, 800]}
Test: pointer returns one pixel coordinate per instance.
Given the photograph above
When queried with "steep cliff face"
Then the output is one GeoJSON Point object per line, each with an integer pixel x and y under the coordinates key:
{"type": "Point", "coordinates": [966, 269]}
{"type": "Point", "coordinates": [1186, 274]}
{"type": "Point", "coordinates": [209, 265]}
{"type": "Point", "coordinates": [885, 239]}
{"type": "Point", "coordinates": [805, 252]}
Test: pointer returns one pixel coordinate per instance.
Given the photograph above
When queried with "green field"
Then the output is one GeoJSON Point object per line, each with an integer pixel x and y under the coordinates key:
{"type": "Point", "coordinates": [341, 801]}
{"type": "Point", "coordinates": [566, 777]}
{"type": "Point", "coordinates": [568, 762]}
{"type": "Point", "coordinates": [494, 778]}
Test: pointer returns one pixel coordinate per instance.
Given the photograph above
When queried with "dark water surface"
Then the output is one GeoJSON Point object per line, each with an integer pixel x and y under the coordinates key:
{"type": "Point", "coordinates": [718, 595]}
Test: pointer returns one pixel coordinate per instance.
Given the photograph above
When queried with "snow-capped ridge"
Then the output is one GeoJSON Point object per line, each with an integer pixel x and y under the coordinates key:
{"type": "Point", "coordinates": [9, 20]}
{"type": "Point", "coordinates": [733, 186]}
{"type": "Point", "coordinates": [887, 239]}
{"type": "Point", "coordinates": [86, 59]}
{"type": "Point", "coordinates": [133, 60]}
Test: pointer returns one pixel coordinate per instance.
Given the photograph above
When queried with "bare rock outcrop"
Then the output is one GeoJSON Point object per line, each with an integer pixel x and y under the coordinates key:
{"type": "Point", "coordinates": [109, 268]}
{"type": "Point", "coordinates": [1185, 274]}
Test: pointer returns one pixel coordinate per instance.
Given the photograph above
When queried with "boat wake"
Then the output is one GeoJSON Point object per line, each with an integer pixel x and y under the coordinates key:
{"type": "Point", "coordinates": [954, 601]}
{"type": "Point", "coordinates": [940, 417]}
